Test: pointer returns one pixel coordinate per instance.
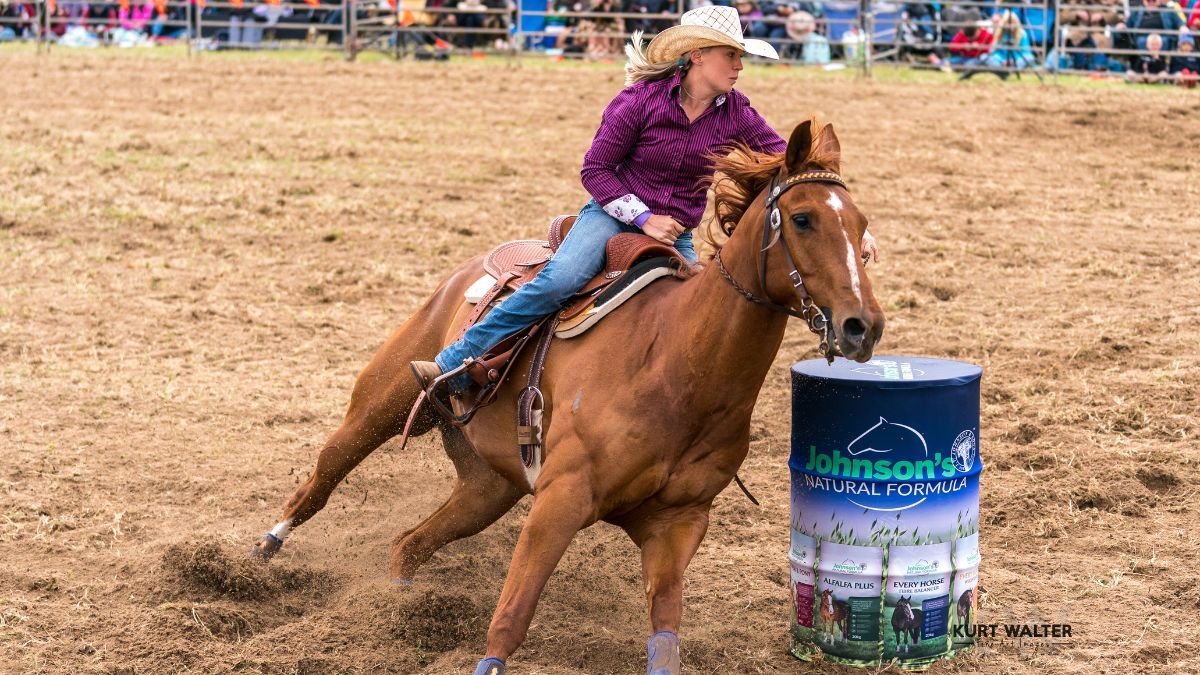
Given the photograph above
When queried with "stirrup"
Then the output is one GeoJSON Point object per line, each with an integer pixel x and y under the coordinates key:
{"type": "Point", "coordinates": [441, 382]}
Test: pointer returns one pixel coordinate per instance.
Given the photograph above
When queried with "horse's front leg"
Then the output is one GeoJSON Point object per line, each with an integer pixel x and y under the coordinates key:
{"type": "Point", "coordinates": [668, 541]}
{"type": "Point", "coordinates": [561, 507]}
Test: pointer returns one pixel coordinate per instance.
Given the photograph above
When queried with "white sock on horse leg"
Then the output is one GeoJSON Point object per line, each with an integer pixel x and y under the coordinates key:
{"type": "Point", "coordinates": [281, 529]}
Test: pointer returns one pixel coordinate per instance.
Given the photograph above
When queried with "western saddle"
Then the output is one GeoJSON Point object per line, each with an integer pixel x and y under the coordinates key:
{"type": "Point", "coordinates": [632, 261]}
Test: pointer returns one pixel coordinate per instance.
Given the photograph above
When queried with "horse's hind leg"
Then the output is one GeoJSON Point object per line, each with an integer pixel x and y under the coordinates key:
{"type": "Point", "coordinates": [384, 394]}
{"type": "Point", "coordinates": [480, 497]}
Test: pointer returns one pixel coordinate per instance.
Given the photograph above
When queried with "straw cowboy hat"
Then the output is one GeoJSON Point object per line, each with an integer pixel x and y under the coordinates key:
{"type": "Point", "coordinates": [710, 26]}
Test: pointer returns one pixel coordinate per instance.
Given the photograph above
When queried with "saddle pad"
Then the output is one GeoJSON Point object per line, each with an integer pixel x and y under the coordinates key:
{"type": "Point", "coordinates": [479, 289]}
{"type": "Point", "coordinates": [640, 276]}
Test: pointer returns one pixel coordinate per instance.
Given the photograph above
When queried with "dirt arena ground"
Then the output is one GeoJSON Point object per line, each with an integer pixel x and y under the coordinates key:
{"type": "Point", "coordinates": [196, 258]}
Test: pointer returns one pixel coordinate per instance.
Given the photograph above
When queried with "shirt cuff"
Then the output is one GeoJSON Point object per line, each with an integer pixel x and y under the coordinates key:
{"type": "Point", "coordinates": [626, 209]}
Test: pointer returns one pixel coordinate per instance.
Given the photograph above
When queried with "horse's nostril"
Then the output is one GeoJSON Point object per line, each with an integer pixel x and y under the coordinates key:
{"type": "Point", "coordinates": [854, 329]}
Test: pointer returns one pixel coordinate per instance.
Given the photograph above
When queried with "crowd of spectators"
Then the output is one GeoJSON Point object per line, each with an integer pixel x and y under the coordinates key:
{"type": "Point", "coordinates": [1146, 40]}
{"type": "Point", "coordinates": [1151, 41]}
{"type": "Point", "coordinates": [149, 22]}
{"type": "Point", "coordinates": [89, 24]}
{"type": "Point", "coordinates": [1101, 35]}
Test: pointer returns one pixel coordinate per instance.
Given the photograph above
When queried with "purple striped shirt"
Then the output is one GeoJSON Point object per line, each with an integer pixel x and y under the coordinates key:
{"type": "Point", "coordinates": [647, 157]}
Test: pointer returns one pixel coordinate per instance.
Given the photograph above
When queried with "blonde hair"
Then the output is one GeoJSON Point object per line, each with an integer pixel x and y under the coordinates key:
{"type": "Point", "coordinates": [638, 67]}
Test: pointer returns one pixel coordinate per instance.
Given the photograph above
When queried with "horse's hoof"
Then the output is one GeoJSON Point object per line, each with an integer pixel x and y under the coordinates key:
{"type": "Point", "coordinates": [403, 582]}
{"type": "Point", "coordinates": [490, 666]}
{"type": "Point", "coordinates": [266, 548]}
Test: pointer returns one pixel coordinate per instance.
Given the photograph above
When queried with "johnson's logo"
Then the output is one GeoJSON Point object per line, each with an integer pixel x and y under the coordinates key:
{"type": "Point", "coordinates": [871, 479]}
{"type": "Point", "coordinates": [922, 566]}
{"type": "Point", "coordinates": [849, 566]}
{"type": "Point", "coordinates": [881, 439]}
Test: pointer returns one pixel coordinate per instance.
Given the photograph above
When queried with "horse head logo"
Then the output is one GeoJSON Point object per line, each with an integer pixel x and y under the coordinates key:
{"type": "Point", "coordinates": [887, 436]}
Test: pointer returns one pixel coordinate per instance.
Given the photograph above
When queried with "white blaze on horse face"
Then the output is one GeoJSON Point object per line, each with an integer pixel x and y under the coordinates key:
{"type": "Point", "coordinates": [852, 267]}
{"type": "Point", "coordinates": [835, 203]}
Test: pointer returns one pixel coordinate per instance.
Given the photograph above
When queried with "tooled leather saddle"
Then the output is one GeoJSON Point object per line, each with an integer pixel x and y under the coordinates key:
{"type": "Point", "coordinates": [632, 261]}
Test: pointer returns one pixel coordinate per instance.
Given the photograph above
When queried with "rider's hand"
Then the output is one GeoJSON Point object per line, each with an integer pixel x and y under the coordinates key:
{"type": "Point", "coordinates": [663, 228]}
{"type": "Point", "coordinates": [869, 250]}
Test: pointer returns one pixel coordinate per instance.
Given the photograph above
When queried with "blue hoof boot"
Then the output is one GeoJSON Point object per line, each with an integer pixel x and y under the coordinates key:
{"type": "Point", "coordinates": [490, 666]}
{"type": "Point", "coordinates": [662, 654]}
{"type": "Point", "coordinates": [267, 547]}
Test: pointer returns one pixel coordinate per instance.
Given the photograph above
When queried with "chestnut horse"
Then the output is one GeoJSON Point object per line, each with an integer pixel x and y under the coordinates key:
{"type": "Point", "coordinates": [647, 417]}
{"type": "Point", "coordinates": [834, 614]}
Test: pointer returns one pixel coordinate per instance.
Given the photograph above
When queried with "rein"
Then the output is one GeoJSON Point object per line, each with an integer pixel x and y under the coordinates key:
{"type": "Point", "coordinates": [817, 322]}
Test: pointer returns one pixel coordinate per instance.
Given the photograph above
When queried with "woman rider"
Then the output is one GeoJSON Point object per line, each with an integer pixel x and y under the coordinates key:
{"type": "Point", "coordinates": [678, 105]}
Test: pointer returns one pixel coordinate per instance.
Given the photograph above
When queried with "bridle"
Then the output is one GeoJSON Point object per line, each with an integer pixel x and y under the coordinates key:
{"type": "Point", "coordinates": [817, 322]}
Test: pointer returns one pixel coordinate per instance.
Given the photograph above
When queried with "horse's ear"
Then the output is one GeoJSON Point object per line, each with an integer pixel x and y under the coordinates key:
{"type": "Point", "coordinates": [882, 420]}
{"type": "Point", "coordinates": [799, 145]}
{"type": "Point", "coordinates": [826, 150]}
{"type": "Point", "coordinates": [819, 151]}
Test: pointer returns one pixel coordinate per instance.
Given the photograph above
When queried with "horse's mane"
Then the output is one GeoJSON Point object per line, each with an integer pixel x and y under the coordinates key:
{"type": "Point", "coordinates": [742, 173]}
{"type": "Point", "coordinates": [737, 179]}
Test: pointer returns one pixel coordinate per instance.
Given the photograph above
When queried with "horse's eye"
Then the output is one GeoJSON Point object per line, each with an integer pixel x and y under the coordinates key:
{"type": "Point", "coordinates": [801, 221]}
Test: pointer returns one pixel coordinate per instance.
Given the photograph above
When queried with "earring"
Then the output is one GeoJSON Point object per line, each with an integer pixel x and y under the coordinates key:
{"type": "Point", "coordinates": [680, 62]}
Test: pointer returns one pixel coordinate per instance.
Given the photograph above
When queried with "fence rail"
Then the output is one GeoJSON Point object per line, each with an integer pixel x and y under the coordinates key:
{"type": "Point", "coordinates": [969, 36]}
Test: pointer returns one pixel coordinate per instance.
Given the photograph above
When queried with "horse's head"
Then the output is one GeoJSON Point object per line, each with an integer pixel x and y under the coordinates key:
{"type": "Point", "coordinates": [822, 231]}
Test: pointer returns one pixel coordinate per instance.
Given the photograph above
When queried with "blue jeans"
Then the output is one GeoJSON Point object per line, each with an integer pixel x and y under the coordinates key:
{"type": "Point", "coordinates": [577, 261]}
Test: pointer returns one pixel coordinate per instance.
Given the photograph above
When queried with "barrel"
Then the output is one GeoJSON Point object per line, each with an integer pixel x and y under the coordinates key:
{"type": "Point", "coordinates": [884, 509]}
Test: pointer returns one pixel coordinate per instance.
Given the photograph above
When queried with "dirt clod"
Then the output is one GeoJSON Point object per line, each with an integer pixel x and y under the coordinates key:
{"type": "Point", "coordinates": [438, 621]}
{"type": "Point", "coordinates": [210, 566]}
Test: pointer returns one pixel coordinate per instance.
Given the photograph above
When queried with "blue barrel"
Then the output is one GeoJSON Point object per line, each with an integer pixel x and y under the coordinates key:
{"type": "Point", "coordinates": [885, 509]}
